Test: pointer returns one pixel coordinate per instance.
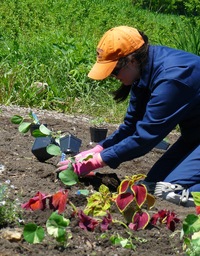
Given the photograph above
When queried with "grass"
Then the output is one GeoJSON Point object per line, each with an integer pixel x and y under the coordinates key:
{"type": "Point", "coordinates": [55, 42]}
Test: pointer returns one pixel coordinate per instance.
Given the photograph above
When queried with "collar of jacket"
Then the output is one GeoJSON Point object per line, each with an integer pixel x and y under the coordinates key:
{"type": "Point", "coordinates": [147, 71]}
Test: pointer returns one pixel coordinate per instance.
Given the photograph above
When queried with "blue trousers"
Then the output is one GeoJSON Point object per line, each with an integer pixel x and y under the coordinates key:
{"type": "Point", "coordinates": [180, 164]}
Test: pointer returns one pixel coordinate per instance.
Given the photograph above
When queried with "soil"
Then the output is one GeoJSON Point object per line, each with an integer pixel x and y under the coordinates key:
{"type": "Point", "coordinates": [29, 176]}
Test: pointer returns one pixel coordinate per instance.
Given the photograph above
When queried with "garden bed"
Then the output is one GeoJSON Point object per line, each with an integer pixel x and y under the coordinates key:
{"type": "Point", "coordinates": [29, 176]}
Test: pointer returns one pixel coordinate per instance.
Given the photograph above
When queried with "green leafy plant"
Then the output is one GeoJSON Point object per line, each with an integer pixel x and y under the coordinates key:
{"type": "Point", "coordinates": [33, 234]}
{"type": "Point", "coordinates": [55, 226]}
{"type": "Point", "coordinates": [131, 201]}
{"type": "Point", "coordinates": [116, 239]}
{"type": "Point", "coordinates": [191, 229]}
{"type": "Point", "coordinates": [25, 122]}
{"type": "Point", "coordinates": [68, 176]}
{"type": "Point", "coordinates": [57, 147]}
{"type": "Point", "coordinates": [52, 148]}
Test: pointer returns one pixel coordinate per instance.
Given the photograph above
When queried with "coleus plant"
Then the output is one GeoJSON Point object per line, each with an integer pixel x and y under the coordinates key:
{"type": "Point", "coordinates": [131, 200]}
{"type": "Point", "coordinates": [169, 218]}
{"type": "Point", "coordinates": [99, 203]}
{"type": "Point", "coordinates": [57, 201]}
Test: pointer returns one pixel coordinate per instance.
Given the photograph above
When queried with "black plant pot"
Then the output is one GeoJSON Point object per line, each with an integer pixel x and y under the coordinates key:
{"type": "Point", "coordinates": [98, 134]}
{"type": "Point", "coordinates": [39, 148]}
{"type": "Point", "coordinates": [70, 144]}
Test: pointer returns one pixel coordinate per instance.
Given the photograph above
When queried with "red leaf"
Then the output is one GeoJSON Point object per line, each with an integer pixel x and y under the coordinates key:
{"type": "Point", "coordinates": [165, 217]}
{"type": "Point", "coordinates": [139, 220]}
{"type": "Point", "coordinates": [85, 222]}
{"type": "Point", "coordinates": [155, 218]}
{"type": "Point", "coordinates": [140, 192]}
{"type": "Point", "coordinates": [59, 201]}
{"type": "Point", "coordinates": [123, 186]}
{"type": "Point", "coordinates": [105, 222]}
{"type": "Point", "coordinates": [197, 209]}
{"type": "Point", "coordinates": [123, 200]}
{"type": "Point", "coordinates": [38, 202]}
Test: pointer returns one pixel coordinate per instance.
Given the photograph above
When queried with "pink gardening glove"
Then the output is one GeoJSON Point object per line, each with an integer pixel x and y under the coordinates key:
{"type": "Point", "coordinates": [85, 167]}
{"type": "Point", "coordinates": [96, 149]}
{"type": "Point", "coordinates": [64, 164]}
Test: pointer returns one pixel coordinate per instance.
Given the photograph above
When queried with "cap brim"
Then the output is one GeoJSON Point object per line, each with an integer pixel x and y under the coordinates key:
{"type": "Point", "coordinates": [102, 70]}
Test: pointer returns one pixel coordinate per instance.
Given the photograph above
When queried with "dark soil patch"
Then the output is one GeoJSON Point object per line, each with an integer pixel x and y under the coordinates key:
{"type": "Point", "coordinates": [29, 176]}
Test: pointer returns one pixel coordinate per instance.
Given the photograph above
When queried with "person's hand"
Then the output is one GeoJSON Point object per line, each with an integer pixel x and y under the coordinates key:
{"type": "Point", "coordinates": [86, 166]}
{"type": "Point", "coordinates": [96, 149]}
{"type": "Point", "coordinates": [79, 157]}
{"type": "Point", "coordinates": [82, 168]}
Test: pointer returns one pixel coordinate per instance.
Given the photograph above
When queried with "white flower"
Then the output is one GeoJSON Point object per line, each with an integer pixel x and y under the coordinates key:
{"type": "Point", "coordinates": [2, 203]}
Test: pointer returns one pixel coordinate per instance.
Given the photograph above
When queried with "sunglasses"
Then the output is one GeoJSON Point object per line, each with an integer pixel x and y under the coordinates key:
{"type": "Point", "coordinates": [116, 71]}
{"type": "Point", "coordinates": [121, 64]}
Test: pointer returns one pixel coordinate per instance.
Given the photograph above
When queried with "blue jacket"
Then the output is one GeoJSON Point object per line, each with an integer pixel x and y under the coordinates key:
{"type": "Point", "coordinates": [168, 94]}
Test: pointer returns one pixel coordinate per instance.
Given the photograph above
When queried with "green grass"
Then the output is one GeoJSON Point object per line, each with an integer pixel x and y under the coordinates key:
{"type": "Point", "coordinates": [55, 42]}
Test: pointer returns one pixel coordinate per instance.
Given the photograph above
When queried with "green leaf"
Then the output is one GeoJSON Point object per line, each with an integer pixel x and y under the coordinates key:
{"type": "Point", "coordinates": [196, 196]}
{"type": "Point", "coordinates": [24, 127]}
{"type": "Point", "coordinates": [191, 224]}
{"type": "Point", "coordinates": [104, 190]}
{"type": "Point", "coordinates": [45, 130]}
{"type": "Point", "coordinates": [68, 177]}
{"type": "Point", "coordinates": [56, 225]}
{"type": "Point", "coordinates": [38, 133]}
{"type": "Point", "coordinates": [124, 242]}
{"type": "Point", "coordinates": [84, 192]}
{"type": "Point", "coordinates": [33, 234]}
{"type": "Point", "coordinates": [53, 150]}
{"type": "Point", "coordinates": [17, 119]}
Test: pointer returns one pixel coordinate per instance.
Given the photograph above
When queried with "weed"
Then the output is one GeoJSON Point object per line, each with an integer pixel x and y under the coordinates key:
{"type": "Point", "coordinates": [9, 210]}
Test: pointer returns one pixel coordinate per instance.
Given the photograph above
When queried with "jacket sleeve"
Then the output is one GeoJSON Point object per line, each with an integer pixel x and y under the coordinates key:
{"type": "Point", "coordinates": [135, 112]}
{"type": "Point", "coordinates": [169, 102]}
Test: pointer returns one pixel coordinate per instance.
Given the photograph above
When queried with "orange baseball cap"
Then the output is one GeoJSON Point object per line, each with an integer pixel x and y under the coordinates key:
{"type": "Point", "coordinates": [115, 44]}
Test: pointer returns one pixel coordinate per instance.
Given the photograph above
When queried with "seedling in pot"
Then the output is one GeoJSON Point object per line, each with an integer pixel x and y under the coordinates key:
{"type": "Point", "coordinates": [50, 143]}
{"type": "Point", "coordinates": [98, 131]}
{"type": "Point", "coordinates": [98, 122]}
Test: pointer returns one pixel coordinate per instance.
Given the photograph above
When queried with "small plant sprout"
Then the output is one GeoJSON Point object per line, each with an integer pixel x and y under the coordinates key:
{"type": "Point", "coordinates": [25, 122]}
{"type": "Point", "coordinates": [130, 200]}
